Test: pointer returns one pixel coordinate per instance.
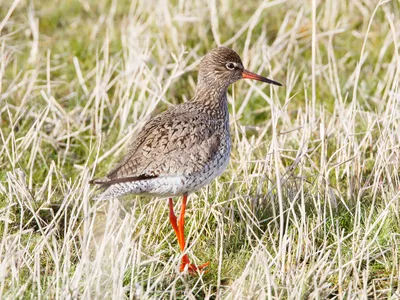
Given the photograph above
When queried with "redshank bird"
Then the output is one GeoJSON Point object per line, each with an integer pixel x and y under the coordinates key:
{"type": "Point", "coordinates": [184, 148]}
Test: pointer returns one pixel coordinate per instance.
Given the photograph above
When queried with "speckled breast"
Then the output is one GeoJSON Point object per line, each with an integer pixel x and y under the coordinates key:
{"type": "Point", "coordinates": [176, 185]}
{"type": "Point", "coordinates": [212, 170]}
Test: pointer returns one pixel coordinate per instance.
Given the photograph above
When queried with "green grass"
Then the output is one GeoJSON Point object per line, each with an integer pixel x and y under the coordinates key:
{"type": "Point", "coordinates": [309, 205]}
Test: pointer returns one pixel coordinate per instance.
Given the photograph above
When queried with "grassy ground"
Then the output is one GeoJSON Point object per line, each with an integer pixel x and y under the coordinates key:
{"type": "Point", "coordinates": [309, 205]}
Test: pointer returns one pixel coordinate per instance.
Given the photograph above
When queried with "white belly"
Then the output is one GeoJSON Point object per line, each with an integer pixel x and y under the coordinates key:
{"type": "Point", "coordinates": [175, 185]}
{"type": "Point", "coordinates": [168, 186]}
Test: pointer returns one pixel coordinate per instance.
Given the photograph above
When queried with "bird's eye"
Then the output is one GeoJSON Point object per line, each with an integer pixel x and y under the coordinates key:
{"type": "Point", "coordinates": [230, 66]}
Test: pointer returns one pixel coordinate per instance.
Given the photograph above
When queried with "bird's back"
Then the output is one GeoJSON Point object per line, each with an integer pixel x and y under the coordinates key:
{"type": "Point", "coordinates": [175, 152]}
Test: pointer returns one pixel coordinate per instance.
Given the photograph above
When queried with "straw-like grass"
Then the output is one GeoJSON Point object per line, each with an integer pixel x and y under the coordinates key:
{"type": "Point", "coordinates": [309, 205]}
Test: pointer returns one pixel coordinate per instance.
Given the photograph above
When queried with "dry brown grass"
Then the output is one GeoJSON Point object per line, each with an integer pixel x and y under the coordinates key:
{"type": "Point", "coordinates": [309, 205]}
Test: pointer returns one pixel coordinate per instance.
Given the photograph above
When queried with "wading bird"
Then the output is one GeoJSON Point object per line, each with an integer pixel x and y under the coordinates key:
{"type": "Point", "coordinates": [183, 149]}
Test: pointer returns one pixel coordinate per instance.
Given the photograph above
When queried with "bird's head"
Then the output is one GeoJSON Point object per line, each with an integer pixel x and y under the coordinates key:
{"type": "Point", "coordinates": [223, 66]}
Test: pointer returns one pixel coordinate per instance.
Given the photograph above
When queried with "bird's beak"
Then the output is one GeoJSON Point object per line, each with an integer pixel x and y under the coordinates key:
{"type": "Point", "coordinates": [250, 75]}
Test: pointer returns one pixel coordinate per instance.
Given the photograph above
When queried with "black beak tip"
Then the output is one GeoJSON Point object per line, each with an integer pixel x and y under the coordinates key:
{"type": "Point", "coordinates": [250, 75]}
{"type": "Point", "coordinates": [274, 82]}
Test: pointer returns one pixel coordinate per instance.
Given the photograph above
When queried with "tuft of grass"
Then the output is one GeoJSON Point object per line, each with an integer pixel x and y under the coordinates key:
{"type": "Point", "coordinates": [309, 205]}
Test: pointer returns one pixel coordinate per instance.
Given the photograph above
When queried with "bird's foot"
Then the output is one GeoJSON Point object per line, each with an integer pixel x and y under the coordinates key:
{"type": "Point", "coordinates": [193, 269]}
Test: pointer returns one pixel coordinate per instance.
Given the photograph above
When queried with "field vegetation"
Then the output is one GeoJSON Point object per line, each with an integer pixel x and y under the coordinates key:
{"type": "Point", "coordinates": [309, 206]}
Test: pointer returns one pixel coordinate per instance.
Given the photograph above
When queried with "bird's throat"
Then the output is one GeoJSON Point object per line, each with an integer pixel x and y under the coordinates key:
{"type": "Point", "coordinates": [214, 100]}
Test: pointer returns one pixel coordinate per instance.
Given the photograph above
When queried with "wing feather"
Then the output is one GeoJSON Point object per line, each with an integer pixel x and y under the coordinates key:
{"type": "Point", "coordinates": [177, 142]}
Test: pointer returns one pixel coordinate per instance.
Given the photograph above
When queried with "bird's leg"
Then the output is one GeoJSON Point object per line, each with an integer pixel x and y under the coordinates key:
{"type": "Point", "coordinates": [172, 220]}
{"type": "Point", "coordinates": [181, 231]}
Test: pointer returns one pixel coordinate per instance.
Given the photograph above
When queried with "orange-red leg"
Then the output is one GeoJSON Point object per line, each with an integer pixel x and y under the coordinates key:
{"type": "Point", "coordinates": [181, 223]}
{"type": "Point", "coordinates": [172, 220]}
{"type": "Point", "coordinates": [179, 228]}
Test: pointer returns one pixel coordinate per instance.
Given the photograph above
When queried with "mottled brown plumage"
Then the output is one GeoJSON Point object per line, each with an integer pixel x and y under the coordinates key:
{"type": "Point", "coordinates": [187, 146]}
{"type": "Point", "coordinates": [180, 141]}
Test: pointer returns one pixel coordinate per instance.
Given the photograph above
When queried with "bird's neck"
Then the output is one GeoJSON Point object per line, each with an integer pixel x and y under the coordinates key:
{"type": "Point", "coordinates": [213, 98]}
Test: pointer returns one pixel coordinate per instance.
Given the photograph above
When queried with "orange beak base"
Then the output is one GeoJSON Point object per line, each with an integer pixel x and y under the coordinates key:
{"type": "Point", "coordinates": [250, 75]}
